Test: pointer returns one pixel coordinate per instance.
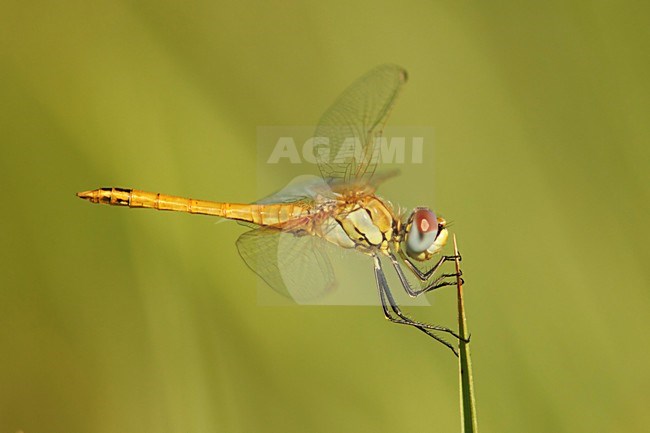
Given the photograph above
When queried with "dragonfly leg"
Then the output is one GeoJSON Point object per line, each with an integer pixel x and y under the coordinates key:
{"type": "Point", "coordinates": [396, 316]}
{"type": "Point", "coordinates": [423, 276]}
{"type": "Point", "coordinates": [393, 319]}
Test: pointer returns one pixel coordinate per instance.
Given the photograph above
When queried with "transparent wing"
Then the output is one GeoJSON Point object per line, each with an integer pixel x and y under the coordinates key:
{"type": "Point", "coordinates": [361, 186]}
{"type": "Point", "coordinates": [315, 190]}
{"type": "Point", "coordinates": [295, 266]}
{"type": "Point", "coordinates": [306, 188]}
{"type": "Point", "coordinates": [347, 132]}
{"type": "Point", "coordinates": [301, 188]}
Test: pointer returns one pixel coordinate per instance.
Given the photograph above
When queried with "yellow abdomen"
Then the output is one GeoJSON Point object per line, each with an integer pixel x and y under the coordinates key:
{"type": "Point", "coordinates": [261, 214]}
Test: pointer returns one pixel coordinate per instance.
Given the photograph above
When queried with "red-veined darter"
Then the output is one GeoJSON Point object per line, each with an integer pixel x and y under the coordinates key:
{"type": "Point", "coordinates": [340, 209]}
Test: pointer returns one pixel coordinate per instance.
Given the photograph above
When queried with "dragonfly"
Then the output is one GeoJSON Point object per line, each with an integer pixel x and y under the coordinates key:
{"type": "Point", "coordinates": [284, 245]}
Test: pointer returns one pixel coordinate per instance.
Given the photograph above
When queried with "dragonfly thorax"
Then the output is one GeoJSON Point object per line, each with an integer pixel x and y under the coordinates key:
{"type": "Point", "coordinates": [366, 224]}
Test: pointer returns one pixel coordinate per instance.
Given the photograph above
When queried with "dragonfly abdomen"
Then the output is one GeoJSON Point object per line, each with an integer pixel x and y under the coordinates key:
{"type": "Point", "coordinates": [142, 199]}
{"type": "Point", "coordinates": [261, 214]}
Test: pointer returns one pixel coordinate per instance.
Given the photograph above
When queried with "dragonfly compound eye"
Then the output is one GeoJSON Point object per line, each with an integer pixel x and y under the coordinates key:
{"type": "Point", "coordinates": [422, 231]}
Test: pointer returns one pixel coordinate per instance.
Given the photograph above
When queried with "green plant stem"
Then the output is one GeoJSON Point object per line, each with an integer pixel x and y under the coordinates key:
{"type": "Point", "coordinates": [467, 403]}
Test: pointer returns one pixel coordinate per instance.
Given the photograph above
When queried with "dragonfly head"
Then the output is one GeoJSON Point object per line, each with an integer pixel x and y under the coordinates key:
{"type": "Point", "coordinates": [425, 234]}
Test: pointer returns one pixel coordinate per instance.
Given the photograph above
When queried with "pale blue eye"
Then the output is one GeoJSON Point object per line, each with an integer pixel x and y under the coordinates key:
{"type": "Point", "coordinates": [423, 231]}
{"type": "Point", "coordinates": [417, 242]}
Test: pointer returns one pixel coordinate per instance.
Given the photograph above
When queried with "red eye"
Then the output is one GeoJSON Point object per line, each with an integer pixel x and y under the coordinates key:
{"type": "Point", "coordinates": [425, 221]}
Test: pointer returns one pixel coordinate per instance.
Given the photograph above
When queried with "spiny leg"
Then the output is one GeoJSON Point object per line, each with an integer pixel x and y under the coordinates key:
{"type": "Point", "coordinates": [424, 276]}
{"type": "Point", "coordinates": [387, 314]}
{"type": "Point", "coordinates": [407, 287]}
{"type": "Point", "coordinates": [436, 284]}
{"type": "Point", "coordinates": [402, 315]}
{"type": "Point", "coordinates": [388, 300]}
{"type": "Point", "coordinates": [399, 313]}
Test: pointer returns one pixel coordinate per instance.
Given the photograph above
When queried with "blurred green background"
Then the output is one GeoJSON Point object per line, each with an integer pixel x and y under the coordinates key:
{"type": "Point", "coordinates": [140, 321]}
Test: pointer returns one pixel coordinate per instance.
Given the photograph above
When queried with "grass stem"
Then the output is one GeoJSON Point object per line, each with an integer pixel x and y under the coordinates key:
{"type": "Point", "coordinates": [467, 403]}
